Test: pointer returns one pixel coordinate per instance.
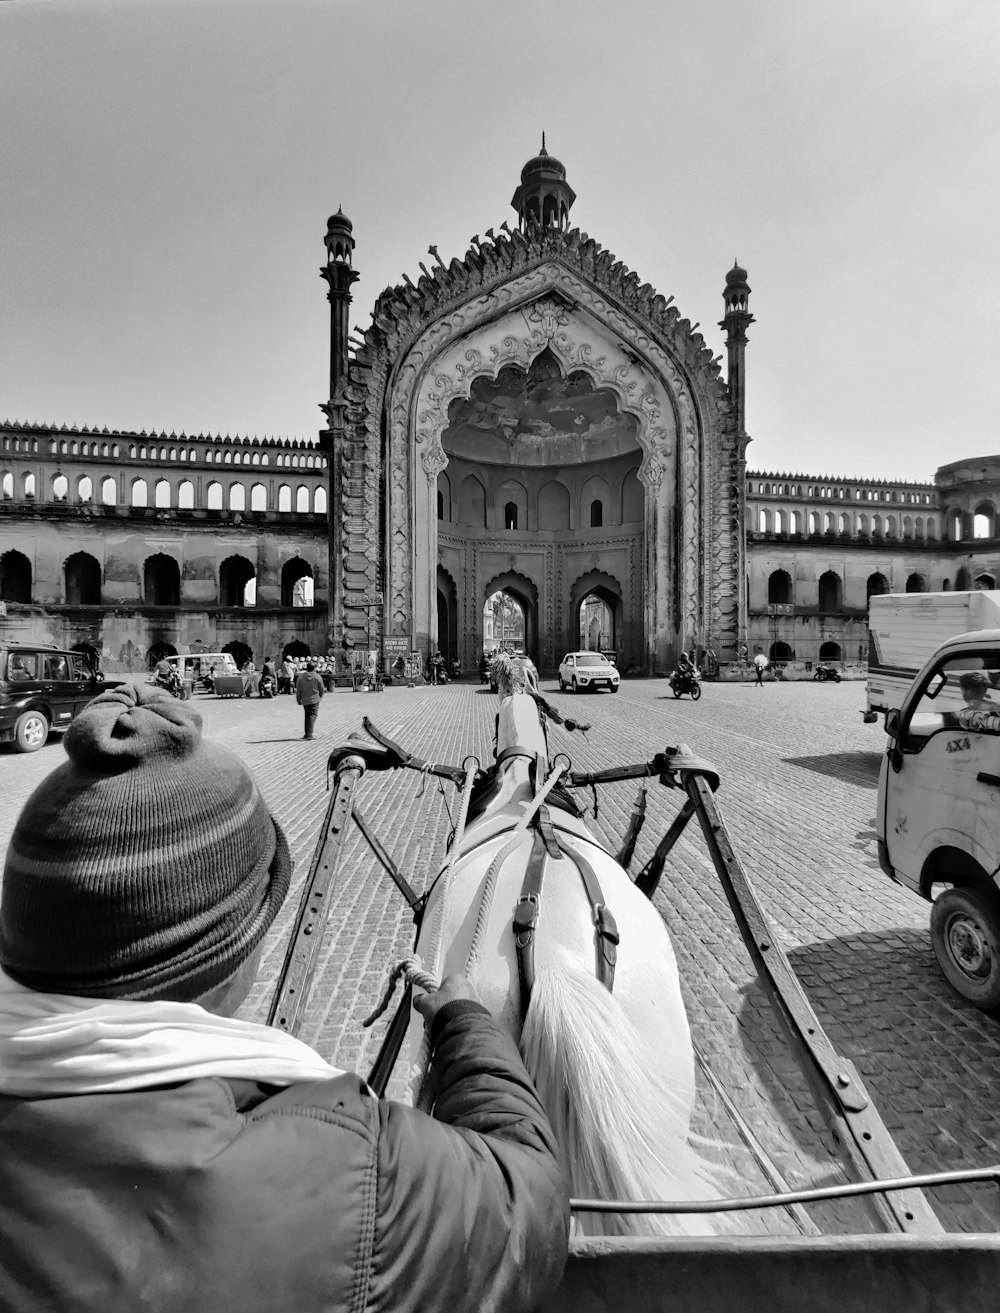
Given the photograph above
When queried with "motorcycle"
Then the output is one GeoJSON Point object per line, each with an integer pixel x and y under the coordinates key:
{"type": "Point", "coordinates": [171, 683]}
{"type": "Point", "coordinates": [824, 673]}
{"type": "Point", "coordinates": [268, 686]}
{"type": "Point", "coordinates": [686, 681]}
{"type": "Point", "coordinates": [484, 670]}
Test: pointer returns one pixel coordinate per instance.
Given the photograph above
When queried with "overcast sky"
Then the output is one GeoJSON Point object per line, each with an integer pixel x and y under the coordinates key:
{"type": "Point", "coordinates": [168, 167]}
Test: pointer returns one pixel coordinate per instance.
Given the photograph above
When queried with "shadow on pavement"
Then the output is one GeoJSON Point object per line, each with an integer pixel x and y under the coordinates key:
{"type": "Point", "coordinates": [295, 738]}
{"type": "Point", "coordinates": [854, 767]}
{"type": "Point", "coordinates": [885, 1006]}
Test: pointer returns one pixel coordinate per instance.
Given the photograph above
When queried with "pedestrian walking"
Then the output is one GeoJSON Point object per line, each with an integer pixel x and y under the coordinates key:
{"type": "Point", "coordinates": [157, 1152]}
{"type": "Point", "coordinates": [308, 691]}
{"type": "Point", "coordinates": [760, 665]}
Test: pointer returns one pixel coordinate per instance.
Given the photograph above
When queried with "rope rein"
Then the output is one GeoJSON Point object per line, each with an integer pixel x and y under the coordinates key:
{"type": "Point", "coordinates": [412, 970]}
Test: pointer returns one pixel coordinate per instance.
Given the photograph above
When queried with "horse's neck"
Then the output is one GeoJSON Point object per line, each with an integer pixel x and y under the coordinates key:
{"type": "Point", "coordinates": [519, 727]}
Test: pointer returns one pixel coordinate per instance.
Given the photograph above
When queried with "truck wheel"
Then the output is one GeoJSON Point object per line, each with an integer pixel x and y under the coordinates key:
{"type": "Point", "coordinates": [695, 692]}
{"type": "Point", "coordinates": [31, 731]}
{"type": "Point", "coordinates": [965, 933]}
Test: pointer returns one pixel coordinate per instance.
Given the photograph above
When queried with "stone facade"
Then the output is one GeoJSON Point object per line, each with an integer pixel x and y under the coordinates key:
{"type": "Point", "coordinates": [818, 548]}
{"type": "Point", "coordinates": [543, 303]}
{"type": "Point", "coordinates": [132, 542]}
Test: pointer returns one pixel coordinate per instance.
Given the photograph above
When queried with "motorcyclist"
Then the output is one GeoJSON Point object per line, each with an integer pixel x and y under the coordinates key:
{"type": "Point", "coordinates": [165, 676]}
{"type": "Point", "coordinates": [484, 668]}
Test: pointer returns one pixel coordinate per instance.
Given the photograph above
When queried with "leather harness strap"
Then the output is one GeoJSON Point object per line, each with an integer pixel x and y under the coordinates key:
{"type": "Point", "coordinates": [545, 843]}
{"type": "Point", "coordinates": [526, 919]}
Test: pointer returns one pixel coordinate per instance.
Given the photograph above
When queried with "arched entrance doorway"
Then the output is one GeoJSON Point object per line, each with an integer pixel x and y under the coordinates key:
{"type": "Point", "coordinates": [510, 613]}
{"type": "Point", "coordinates": [447, 616]}
{"type": "Point", "coordinates": [597, 613]}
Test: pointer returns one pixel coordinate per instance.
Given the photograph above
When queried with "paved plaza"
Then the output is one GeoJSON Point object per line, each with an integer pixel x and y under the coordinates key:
{"type": "Point", "coordinates": [799, 772]}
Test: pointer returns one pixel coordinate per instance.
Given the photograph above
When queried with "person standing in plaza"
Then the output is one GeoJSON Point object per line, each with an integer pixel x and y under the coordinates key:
{"type": "Point", "coordinates": [157, 1152]}
{"type": "Point", "coordinates": [759, 666]}
{"type": "Point", "coordinates": [308, 691]}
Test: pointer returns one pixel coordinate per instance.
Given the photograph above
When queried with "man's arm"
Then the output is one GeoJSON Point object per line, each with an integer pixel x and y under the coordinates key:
{"type": "Point", "coordinates": [473, 1213]}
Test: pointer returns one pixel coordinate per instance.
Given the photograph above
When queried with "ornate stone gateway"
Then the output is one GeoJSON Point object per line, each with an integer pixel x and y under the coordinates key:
{"type": "Point", "coordinates": [532, 420]}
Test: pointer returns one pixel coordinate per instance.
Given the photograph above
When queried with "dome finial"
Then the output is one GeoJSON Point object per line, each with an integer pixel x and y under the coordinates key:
{"type": "Point", "coordinates": [543, 151]}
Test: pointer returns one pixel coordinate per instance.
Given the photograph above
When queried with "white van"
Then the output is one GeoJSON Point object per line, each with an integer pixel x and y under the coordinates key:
{"type": "Point", "coordinates": [939, 807]}
{"type": "Point", "coordinates": [199, 668]}
{"type": "Point", "coordinates": [904, 629]}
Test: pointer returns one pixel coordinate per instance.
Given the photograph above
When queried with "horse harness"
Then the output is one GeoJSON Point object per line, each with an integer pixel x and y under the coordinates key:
{"type": "Point", "coordinates": [545, 843]}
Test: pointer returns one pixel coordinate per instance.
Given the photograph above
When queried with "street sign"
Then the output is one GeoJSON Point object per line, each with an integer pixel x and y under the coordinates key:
{"type": "Point", "coordinates": [396, 644]}
{"type": "Point", "coordinates": [371, 599]}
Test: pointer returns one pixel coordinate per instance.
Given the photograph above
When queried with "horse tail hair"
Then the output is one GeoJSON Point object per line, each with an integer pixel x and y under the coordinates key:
{"type": "Point", "coordinates": [622, 1129]}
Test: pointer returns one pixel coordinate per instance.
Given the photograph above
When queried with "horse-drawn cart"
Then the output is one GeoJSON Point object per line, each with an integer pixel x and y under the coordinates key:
{"type": "Point", "coordinates": [516, 837]}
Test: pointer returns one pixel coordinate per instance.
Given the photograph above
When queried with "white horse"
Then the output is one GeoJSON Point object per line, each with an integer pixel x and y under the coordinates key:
{"type": "Point", "coordinates": [615, 1071]}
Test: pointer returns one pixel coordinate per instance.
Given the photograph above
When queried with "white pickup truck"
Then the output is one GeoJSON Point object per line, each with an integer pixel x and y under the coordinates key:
{"type": "Point", "coordinates": [938, 817]}
{"type": "Point", "coordinates": [905, 629]}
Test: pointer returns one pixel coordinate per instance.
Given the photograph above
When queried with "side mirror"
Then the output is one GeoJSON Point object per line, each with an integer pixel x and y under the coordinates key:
{"type": "Point", "coordinates": [895, 753]}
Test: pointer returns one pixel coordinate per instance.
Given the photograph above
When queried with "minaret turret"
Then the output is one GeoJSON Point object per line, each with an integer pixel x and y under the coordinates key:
{"type": "Point", "coordinates": [737, 320]}
{"type": "Point", "coordinates": [340, 275]}
{"type": "Point", "coordinates": [544, 196]}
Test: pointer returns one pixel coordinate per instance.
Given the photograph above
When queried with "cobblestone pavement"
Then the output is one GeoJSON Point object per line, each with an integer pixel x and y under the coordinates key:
{"type": "Point", "coordinates": [799, 773]}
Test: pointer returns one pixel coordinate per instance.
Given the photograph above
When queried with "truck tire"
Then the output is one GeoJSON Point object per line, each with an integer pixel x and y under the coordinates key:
{"type": "Point", "coordinates": [31, 731]}
{"type": "Point", "coordinates": [965, 933]}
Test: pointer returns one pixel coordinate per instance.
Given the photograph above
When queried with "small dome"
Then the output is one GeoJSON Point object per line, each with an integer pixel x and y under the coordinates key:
{"type": "Point", "coordinates": [736, 275]}
{"type": "Point", "coordinates": [543, 162]}
{"type": "Point", "coordinates": [339, 220]}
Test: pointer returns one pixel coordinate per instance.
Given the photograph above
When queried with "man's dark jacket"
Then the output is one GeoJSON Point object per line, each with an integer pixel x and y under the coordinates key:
{"type": "Point", "coordinates": [225, 1196]}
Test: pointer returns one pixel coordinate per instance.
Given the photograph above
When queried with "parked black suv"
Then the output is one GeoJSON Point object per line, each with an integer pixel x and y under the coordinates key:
{"type": "Point", "coordinates": [43, 688]}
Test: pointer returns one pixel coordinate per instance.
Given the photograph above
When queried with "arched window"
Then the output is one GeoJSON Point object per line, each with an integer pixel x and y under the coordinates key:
{"type": "Point", "coordinates": [510, 515]}
{"type": "Point", "coordinates": [781, 652]}
{"type": "Point", "coordinates": [830, 591]}
{"type": "Point", "coordinates": [297, 583]}
{"type": "Point", "coordinates": [15, 577]}
{"type": "Point", "coordinates": [877, 585]}
{"type": "Point", "coordinates": [213, 497]}
{"type": "Point", "coordinates": [161, 494]}
{"type": "Point", "coordinates": [258, 497]}
{"type": "Point", "coordinates": [82, 577]}
{"type": "Point", "coordinates": [845, 524]}
{"type": "Point", "coordinates": [284, 498]}
{"type": "Point", "coordinates": [916, 583]}
{"type": "Point", "coordinates": [982, 521]}
{"type": "Point", "coordinates": [985, 582]}
{"type": "Point", "coordinates": [319, 501]}
{"type": "Point", "coordinates": [161, 581]}
{"type": "Point", "coordinates": [813, 522]}
{"type": "Point", "coordinates": [237, 497]}
{"type": "Point", "coordinates": [779, 521]}
{"type": "Point", "coordinates": [139, 494]}
{"type": "Point", "coordinates": [85, 487]}
{"type": "Point", "coordinates": [236, 573]}
{"type": "Point", "coordinates": [109, 492]}
{"type": "Point", "coordinates": [440, 504]}
{"type": "Point", "coordinates": [185, 495]}
{"type": "Point", "coordinates": [779, 587]}
{"type": "Point", "coordinates": [60, 487]}
{"type": "Point", "coordinates": [302, 499]}
{"type": "Point", "coordinates": [596, 514]}
{"type": "Point", "coordinates": [931, 530]}
{"type": "Point", "coordinates": [829, 652]}
{"type": "Point", "coordinates": [764, 521]}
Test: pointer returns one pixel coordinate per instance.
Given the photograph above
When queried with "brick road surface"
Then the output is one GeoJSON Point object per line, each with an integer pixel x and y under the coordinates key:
{"type": "Point", "coordinates": [799, 773]}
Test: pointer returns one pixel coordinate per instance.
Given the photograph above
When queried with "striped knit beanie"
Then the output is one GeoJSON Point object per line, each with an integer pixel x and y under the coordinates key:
{"type": "Point", "coordinates": [146, 866]}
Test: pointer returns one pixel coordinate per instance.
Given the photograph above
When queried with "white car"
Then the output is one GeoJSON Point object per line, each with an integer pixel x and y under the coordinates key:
{"type": "Point", "coordinates": [581, 671]}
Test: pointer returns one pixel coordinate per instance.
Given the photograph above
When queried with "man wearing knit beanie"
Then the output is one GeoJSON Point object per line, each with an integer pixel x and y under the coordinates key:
{"type": "Point", "coordinates": [158, 1153]}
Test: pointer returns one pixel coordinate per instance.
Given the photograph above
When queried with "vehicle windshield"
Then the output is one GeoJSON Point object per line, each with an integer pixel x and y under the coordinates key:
{"type": "Point", "coordinates": [591, 659]}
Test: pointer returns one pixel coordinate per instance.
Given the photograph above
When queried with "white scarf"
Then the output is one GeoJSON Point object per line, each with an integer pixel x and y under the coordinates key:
{"type": "Point", "coordinates": [53, 1044]}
